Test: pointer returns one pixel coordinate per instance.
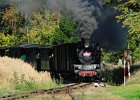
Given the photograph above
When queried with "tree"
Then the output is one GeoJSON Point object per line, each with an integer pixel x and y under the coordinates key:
{"type": "Point", "coordinates": [9, 21]}
{"type": "Point", "coordinates": [130, 16]}
{"type": "Point", "coordinates": [11, 18]}
{"type": "Point", "coordinates": [66, 32]}
{"type": "Point", "coordinates": [6, 40]}
{"type": "Point", "coordinates": [42, 27]}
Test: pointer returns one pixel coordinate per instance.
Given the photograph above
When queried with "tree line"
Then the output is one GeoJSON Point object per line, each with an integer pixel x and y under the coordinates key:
{"type": "Point", "coordinates": [51, 27]}
{"type": "Point", "coordinates": [41, 27]}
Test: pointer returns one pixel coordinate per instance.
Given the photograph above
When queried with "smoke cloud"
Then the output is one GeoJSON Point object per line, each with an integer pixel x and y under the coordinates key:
{"type": "Point", "coordinates": [110, 34]}
{"type": "Point", "coordinates": [84, 12]}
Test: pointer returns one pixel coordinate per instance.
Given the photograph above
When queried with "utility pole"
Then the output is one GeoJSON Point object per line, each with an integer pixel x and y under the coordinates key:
{"type": "Point", "coordinates": [125, 55]}
{"type": "Point", "coordinates": [128, 61]}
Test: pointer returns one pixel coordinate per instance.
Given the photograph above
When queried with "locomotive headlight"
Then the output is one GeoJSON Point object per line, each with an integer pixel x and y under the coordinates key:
{"type": "Point", "coordinates": [86, 45]}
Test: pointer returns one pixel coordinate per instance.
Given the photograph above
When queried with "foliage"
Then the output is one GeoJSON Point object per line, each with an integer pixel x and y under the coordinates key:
{"type": "Point", "coordinates": [28, 86]}
{"type": "Point", "coordinates": [6, 40]}
{"type": "Point", "coordinates": [130, 16]}
{"type": "Point", "coordinates": [66, 30]}
{"type": "Point", "coordinates": [45, 27]}
{"type": "Point", "coordinates": [10, 17]}
{"type": "Point", "coordinates": [112, 57]}
{"type": "Point", "coordinates": [105, 56]}
{"type": "Point", "coordinates": [42, 27]}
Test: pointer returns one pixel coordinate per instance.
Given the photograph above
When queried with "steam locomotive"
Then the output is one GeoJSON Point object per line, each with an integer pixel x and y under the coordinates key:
{"type": "Point", "coordinates": [90, 58]}
{"type": "Point", "coordinates": [77, 60]}
{"type": "Point", "coordinates": [71, 60]}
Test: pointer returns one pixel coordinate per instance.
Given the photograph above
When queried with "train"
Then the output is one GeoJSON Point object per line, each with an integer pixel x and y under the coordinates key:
{"type": "Point", "coordinates": [70, 60]}
{"type": "Point", "coordinates": [90, 61]}
{"type": "Point", "coordinates": [77, 60]}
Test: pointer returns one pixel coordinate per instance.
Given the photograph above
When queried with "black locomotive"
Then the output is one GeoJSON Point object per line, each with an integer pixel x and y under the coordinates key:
{"type": "Point", "coordinates": [90, 58]}
{"type": "Point", "coordinates": [77, 60]}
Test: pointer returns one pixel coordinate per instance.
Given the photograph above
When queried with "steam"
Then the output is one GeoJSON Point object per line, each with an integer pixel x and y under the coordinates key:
{"type": "Point", "coordinates": [84, 12]}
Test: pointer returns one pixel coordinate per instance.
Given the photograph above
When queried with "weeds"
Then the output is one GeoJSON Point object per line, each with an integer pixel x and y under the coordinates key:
{"type": "Point", "coordinates": [17, 76]}
{"type": "Point", "coordinates": [26, 86]}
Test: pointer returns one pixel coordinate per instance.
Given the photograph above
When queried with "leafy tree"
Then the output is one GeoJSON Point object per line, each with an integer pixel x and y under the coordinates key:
{"type": "Point", "coordinates": [6, 40]}
{"type": "Point", "coordinates": [10, 17]}
{"type": "Point", "coordinates": [66, 32]}
{"type": "Point", "coordinates": [130, 16]}
{"type": "Point", "coordinates": [42, 27]}
{"type": "Point", "coordinates": [9, 20]}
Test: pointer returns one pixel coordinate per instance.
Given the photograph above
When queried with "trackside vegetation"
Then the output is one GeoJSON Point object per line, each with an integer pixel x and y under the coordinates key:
{"type": "Point", "coordinates": [22, 77]}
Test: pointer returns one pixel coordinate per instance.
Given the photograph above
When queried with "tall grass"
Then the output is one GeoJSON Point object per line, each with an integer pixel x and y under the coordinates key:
{"type": "Point", "coordinates": [16, 75]}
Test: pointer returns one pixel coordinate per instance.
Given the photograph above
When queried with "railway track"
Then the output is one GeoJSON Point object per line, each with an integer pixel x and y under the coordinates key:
{"type": "Point", "coordinates": [65, 89]}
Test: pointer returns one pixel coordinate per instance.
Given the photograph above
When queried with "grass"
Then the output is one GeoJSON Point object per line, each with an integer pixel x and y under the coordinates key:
{"type": "Point", "coordinates": [17, 76]}
{"type": "Point", "coordinates": [29, 86]}
{"type": "Point", "coordinates": [135, 79]}
{"type": "Point", "coordinates": [130, 92]}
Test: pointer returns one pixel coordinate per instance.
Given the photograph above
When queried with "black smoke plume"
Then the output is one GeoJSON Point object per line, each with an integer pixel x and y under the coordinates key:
{"type": "Point", "coordinates": [95, 21]}
{"type": "Point", "coordinates": [110, 33]}
{"type": "Point", "coordinates": [84, 12]}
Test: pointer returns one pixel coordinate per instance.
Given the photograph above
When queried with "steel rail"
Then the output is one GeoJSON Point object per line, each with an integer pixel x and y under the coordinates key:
{"type": "Point", "coordinates": [65, 89]}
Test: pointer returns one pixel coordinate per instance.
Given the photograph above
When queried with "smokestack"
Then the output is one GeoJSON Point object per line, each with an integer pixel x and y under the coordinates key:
{"type": "Point", "coordinates": [85, 42]}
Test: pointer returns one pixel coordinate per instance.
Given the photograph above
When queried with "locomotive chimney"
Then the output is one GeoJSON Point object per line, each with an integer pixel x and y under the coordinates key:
{"type": "Point", "coordinates": [85, 42]}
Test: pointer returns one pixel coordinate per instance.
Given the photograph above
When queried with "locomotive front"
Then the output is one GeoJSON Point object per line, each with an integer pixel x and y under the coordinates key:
{"type": "Point", "coordinates": [89, 60]}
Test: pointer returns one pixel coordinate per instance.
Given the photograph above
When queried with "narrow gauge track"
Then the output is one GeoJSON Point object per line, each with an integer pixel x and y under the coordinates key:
{"type": "Point", "coordinates": [65, 89]}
